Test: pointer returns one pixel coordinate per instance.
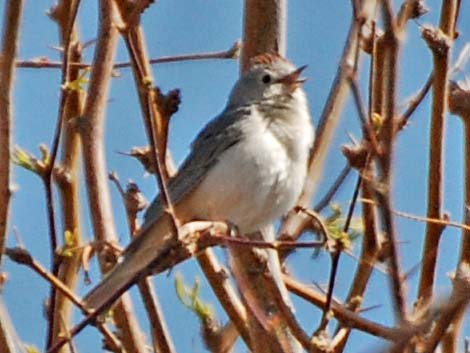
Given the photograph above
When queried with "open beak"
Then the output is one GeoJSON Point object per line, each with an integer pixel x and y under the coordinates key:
{"type": "Point", "coordinates": [293, 80]}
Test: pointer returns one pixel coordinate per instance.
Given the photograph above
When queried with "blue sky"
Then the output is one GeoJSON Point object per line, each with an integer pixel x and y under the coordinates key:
{"type": "Point", "coordinates": [317, 30]}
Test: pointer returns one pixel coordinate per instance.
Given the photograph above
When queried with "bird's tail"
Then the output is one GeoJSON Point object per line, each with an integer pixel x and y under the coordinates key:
{"type": "Point", "coordinates": [136, 263]}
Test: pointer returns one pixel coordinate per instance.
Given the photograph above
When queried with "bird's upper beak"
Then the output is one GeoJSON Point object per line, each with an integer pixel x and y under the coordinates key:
{"type": "Point", "coordinates": [293, 80]}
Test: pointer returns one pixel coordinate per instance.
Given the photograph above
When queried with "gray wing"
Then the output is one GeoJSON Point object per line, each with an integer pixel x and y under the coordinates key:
{"type": "Point", "coordinates": [217, 136]}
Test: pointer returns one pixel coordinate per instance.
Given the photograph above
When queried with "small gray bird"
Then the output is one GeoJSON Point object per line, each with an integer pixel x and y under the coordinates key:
{"type": "Point", "coordinates": [247, 166]}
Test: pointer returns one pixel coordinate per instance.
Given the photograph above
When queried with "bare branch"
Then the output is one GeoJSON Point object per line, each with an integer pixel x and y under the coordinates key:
{"type": "Point", "coordinates": [345, 316]}
{"type": "Point", "coordinates": [65, 268]}
{"type": "Point", "coordinates": [384, 195]}
{"type": "Point", "coordinates": [43, 63]}
{"type": "Point", "coordinates": [92, 130]}
{"type": "Point", "coordinates": [440, 42]}
{"type": "Point", "coordinates": [10, 34]}
{"type": "Point", "coordinates": [264, 29]}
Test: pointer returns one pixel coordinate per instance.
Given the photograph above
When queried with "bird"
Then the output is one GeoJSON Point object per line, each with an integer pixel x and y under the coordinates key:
{"type": "Point", "coordinates": [247, 167]}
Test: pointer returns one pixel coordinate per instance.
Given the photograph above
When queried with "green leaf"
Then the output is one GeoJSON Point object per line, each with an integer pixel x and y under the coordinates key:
{"type": "Point", "coordinates": [80, 83]}
{"type": "Point", "coordinates": [189, 297]}
{"type": "Point", "coordinates": [335, 225]}
{"type": "Point", "coordinates": [24, 159]}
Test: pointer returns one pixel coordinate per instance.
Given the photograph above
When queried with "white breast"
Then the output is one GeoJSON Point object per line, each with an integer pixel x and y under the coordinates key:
{"type": "Point", "coordinates": [259, 179]}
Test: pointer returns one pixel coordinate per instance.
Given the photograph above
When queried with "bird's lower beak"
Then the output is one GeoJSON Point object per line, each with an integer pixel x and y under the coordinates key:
{"type": "Point", "coordinates": [293, 80]}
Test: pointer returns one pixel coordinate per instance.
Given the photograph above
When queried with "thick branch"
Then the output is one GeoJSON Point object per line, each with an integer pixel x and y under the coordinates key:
{"type": "Point", "coordinates": [264, 29]}
{"type": "Point", "coordinates": [440, 42]}
{"type": "Point", "coordinates": [10, 34]}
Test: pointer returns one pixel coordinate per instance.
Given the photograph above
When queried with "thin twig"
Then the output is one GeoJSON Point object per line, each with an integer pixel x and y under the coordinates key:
{"type": "Point", "coordinates": [366, 120]}
{"type": "Point", "coordinates": [336, 255]}
{"type": "Point", "coordinates": [326, 199]}
{"type": "Point", "coordinates": [346, 317]}
{"type": "Point", "coordinates": [358, 101]}
{"type": "Point", "coordinates": [232, 53]}
{"type": "Point", "coordinates": [280, 245]}
{"type": "Point", "coordinates": [443, 222]}
{"type": "Point", "coordinates": [415, 102]}
{"type": "Point", "coordinates": [465, 248]}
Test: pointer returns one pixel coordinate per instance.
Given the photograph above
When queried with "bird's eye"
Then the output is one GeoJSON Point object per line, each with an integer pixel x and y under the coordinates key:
{"type": "Point", "coordinates": [266, 78]}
